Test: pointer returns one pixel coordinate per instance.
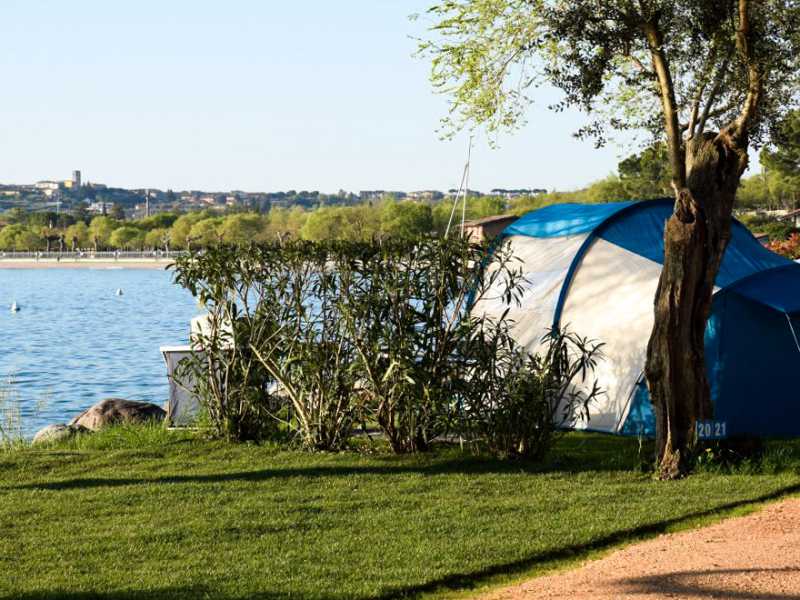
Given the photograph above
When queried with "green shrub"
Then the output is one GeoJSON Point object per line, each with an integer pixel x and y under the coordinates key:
{"type": "Point", "coordinates": [754, 222]}
{"type": "Point", "coordinates": [275, 357]}
{"type": "Point", "coordinates": [519, 402]}
{"type": "Point", "coordinates": [307, 352]}
{"type": "Point", "coordinates": [776, 230]}
{"type": "Point", "coordinates": [236, 392]}
{"type": "Point", "coordinates": [408, 318]}
{"type": "Point", "coordinates": [313, 337]}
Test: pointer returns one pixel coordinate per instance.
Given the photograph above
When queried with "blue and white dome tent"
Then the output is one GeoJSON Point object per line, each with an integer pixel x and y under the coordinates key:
{"type": "Point", "coordinates": [594, 268]}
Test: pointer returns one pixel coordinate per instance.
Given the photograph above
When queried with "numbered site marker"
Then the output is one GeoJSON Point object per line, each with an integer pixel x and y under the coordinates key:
{"type": "Point", "coordinates": [711, 430]}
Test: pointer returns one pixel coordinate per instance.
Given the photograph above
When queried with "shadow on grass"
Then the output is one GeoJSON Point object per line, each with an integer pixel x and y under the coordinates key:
{"type": "Point", "coordinates": [679, 583]}
{"type": "Point", "coordinates": [467, 581]}
{"type": "Point", "coordinates": [685, 584]}
{"type": "Point", "coordinates": [585, 454]}
{"type": "Point", "coordinates": [448, 468]}
{"type": "Point", "coordinates": [165, 593]}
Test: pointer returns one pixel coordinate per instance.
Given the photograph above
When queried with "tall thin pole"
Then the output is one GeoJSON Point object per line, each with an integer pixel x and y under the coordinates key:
{"type": "Point", "coordinates": [466, 187]}
{"type": "Point", "coordinates": [455, 202]}
{"type": "Point", "coordinates": [464, 181]}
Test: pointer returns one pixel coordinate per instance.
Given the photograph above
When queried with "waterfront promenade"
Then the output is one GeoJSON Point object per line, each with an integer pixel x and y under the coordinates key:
{"type": "Point", "coordinates": [87, 260]}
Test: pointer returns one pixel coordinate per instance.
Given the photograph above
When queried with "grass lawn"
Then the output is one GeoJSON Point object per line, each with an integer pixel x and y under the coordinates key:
{"type": "Point", "coordinates": [150, 515]}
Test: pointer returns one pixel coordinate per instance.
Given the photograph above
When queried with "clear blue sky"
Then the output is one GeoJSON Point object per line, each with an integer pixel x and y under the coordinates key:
{"type": "Point", "coordinates": [248, 94]}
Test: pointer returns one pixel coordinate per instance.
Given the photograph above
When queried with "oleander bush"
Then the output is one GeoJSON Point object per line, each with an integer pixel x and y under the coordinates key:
{"type": "Point", "coordinates": [311, 339]}
{"type": "Point", "coordinates": [237, 392]}
{"type": "Point", "coordinates": [520, 401]}
{"type": "Point", "coordinates": [408, 317]}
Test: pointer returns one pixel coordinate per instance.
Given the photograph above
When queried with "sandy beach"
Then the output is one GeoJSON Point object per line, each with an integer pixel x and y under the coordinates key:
{"type": "Point", "coordinates": [85, 263]}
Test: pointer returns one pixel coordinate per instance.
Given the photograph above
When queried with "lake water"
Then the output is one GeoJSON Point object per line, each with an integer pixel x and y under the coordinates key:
{"type": "Point", "coordinates": [75, 342]}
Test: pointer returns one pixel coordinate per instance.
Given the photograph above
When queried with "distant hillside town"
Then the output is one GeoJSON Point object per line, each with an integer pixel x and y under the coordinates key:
{"type": "Point", "coordinates": [75, 194]}
{"type": "Point", "coordinates": [75, 214]}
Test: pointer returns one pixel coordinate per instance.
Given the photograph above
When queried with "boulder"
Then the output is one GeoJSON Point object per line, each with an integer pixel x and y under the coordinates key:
{"type": "Point", "coordinates": [57, 433]}
{"type": "Point", "coordinates": [113, 410]}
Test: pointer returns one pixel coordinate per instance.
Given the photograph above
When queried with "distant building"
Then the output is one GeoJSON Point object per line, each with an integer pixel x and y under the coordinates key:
{"type": "Point", "coordinates": [426, 195]}
{"type": "Point", "coordinates": [48, 185]}
{"type": "Point", "coordinates": [452, 193]}
{"type": "Point", "coordinates": [487, 228]}
{"type": "Point", "coordinates": [100, 208]}
{"type": "Point", "coordinates": [510, 194]}
{"type": "Point", "coordinates": [146, 209]}
{"type": "Point", "coordinates": [75, 182]}
{"type": "Point", "coordinates": [365, 195]}
{"type": "Point", "coordinates": [370, 194]}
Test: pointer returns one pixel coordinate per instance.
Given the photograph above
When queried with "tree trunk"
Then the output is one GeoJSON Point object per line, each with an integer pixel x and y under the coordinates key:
{"type": "Point", "coordinates": [695, 239]}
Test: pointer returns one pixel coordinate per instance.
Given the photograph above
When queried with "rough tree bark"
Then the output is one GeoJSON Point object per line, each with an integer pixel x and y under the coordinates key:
{"type": "Point", "coordinates": [695, 239]}
{"type": "Point", "coordinates": [706, 169]}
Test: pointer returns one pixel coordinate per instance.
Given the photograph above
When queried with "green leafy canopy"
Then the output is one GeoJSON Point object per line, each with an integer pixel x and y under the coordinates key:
{"type": "Point", "coordinates": [489, 55]}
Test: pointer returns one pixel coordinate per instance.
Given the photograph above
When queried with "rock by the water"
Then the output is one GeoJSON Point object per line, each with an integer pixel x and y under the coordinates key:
{"type": "Point", "coordinates": [57, 433]}
{"type": "Point", "coordinates": [113, 410]}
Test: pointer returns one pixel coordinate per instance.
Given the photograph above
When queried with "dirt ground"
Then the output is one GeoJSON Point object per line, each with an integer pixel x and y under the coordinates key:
{"type": "Point", "coordinates": [751, 557]}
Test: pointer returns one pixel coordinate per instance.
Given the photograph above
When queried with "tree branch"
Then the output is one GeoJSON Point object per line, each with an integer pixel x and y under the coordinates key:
{"type": "Point", "coordinates": [744, 43]}
{"type": "Point", "coordinates": [701, 89]}
{"type": "Point", "coordinates": [655, 41]}
{"type": "Point", "coordinates": [638, 64]}
{"type": "Point", "coordinates": [712, 96]}
{"type": "Point", "coordinates": [690, 126]}
{"type": "Point", "coordinates": [722, 110]}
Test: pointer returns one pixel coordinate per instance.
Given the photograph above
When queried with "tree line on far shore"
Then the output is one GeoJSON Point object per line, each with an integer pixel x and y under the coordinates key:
{"type": "Point", "coordinates": [22, 231]}
{"type": "Point", "coordinates": [642, 175]}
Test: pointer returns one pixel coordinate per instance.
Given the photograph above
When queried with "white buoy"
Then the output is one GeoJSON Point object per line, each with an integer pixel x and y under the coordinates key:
{"type": "Point", "coordinates": [15, 307]}
{"type": "Point", "coordinates": [119, 291]}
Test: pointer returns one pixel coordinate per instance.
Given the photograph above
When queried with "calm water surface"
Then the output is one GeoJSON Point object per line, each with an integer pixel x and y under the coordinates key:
{"type": "Point", "coordinates": [75, 342]}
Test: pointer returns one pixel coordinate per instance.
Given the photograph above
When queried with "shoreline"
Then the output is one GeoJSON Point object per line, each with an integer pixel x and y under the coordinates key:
{"type": "Point", "coordinates": [84, 263]}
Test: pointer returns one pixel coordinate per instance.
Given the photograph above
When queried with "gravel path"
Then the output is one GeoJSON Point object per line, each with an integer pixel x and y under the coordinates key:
{"type": "Point", "coordinates": [751, 557]}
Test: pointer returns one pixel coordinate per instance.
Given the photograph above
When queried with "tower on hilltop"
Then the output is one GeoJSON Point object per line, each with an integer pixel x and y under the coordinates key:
{"type": "Point", "coordinates": [76, 179]}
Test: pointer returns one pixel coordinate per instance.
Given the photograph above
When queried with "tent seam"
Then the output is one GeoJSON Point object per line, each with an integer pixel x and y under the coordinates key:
{"type": "Point", "coordinates": [578, 258]}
